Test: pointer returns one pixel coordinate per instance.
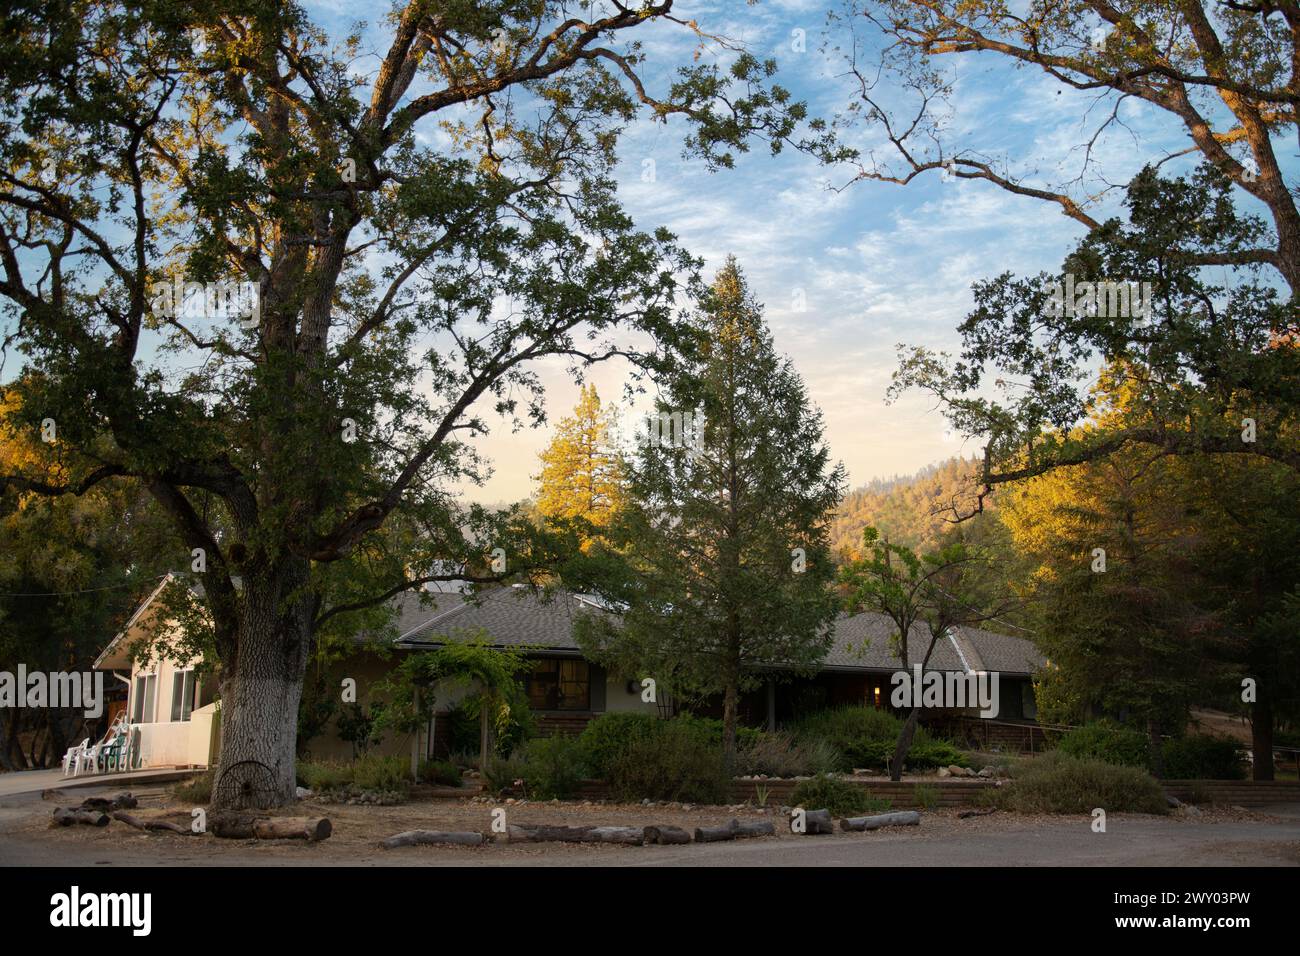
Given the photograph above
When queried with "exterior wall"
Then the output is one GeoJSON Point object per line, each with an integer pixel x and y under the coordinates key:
{"type": "Point", "coordinates": [159, 741]}
{"type": "Point", "coordinates": [619, 701]}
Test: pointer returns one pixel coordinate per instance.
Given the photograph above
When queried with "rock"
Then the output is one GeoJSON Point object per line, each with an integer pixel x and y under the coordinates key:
{"type": "Point", "coordinates": [302, 793]}
{"type": "Point", "coordinates": [986, 773]}
{"type": "Point", "coordinates": [943, 772]}
{"type": "Point", "coordinates": [1191, 810]}
{"type": "Point", "coordinates": [1173, 801]}
{"type": "Point", "coordinates": [956, 771]}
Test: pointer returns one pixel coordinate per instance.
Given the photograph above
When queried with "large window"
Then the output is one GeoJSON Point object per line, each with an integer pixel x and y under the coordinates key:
{"type": "Point", "coordinates": [146, 689]}
{"type": "Point", "coordinates": [559, 685]}
{"type": "Point", "coordinates": [183, 688]}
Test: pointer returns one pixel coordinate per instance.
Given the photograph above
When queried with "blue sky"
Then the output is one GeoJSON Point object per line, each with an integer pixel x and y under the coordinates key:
{"type": "Point", "coordinates": [877, 264]}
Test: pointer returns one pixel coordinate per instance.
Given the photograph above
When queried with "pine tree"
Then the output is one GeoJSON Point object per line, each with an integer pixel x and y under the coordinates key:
{"type": "Point", "coordinates": [726, 532]}
{"type": "Point", "coordinates": [582, 474]}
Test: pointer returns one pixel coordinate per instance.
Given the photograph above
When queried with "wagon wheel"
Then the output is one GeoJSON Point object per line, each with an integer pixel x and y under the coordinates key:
{"type": "Point", "coordinates": [248, 783]}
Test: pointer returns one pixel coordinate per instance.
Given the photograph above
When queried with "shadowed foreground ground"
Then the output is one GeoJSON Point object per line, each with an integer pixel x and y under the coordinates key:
{"type": "Point", "coordinates": [1215, 838]}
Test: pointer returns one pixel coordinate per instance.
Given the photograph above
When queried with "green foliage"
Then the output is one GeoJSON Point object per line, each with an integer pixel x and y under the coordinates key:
{"type": "Point", "coordinates": [907, 510]}
{"type": "Point", "coordinates": [710, 594]}
{"type": "Point", "coordinates": [224, 160]}
{"type": "Point", "coordinates": [360, 726]}
{"type": "Point", "coordinates": [674, 764]}
{"type": "Point", "coordinates": [1058, 783]}
{"type": "Point", "coordinates": [610, 735]}
{"type": "Point", "coordinates": [1106, 741]}
{"type": "Point", "coordinates": [1202, 757]}
{"type": "Point", "coordinates": [552, 767]}
{"type": "Point", "coordinates": [368, 774]}
{"type": "Point", "coordinates": [439, 772]}
{"type": "Point", "coordinates": [841, 798]}
{"type": "Point", "coordinates": [866, 737]}
{"type": "Point", "coordinates": [502, 774]}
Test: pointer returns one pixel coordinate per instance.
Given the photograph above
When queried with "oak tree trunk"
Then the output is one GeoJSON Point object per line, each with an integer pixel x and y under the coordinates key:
{"type": "Point", "coordinates": [260, 692]}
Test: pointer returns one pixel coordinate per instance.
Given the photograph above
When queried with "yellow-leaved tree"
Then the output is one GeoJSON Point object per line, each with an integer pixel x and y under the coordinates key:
{"type": "Point", "coordinates": [582, 470]}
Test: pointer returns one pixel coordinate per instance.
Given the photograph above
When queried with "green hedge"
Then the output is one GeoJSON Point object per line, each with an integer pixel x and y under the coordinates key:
{"type": "Point", "coordinates": [1106, 741]}
{"type": "Point", "coordinates": [1059, 783]}
{"type": "Point", "coordinates": [1199, 757]}
{"type": "Point", "coordinates": [1194, 757]}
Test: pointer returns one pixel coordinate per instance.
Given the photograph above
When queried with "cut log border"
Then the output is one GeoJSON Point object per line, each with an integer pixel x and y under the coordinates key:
{"type": "Point", "coordinates": [902, 818]}
{"type": "Point", "coordinates": [432, 838]}
{"type": "Point", "coordinates": [240, 826]}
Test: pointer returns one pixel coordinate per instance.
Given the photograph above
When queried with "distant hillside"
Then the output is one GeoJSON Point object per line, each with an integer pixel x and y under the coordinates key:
{"type": "Point", "coordinates": [909, 510]}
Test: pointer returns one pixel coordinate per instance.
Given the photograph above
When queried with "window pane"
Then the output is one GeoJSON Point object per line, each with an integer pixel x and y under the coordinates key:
{"type": "Point", "coordinates": [543, 687]}
{"type": "Point", "coordinates": [150, 689]}
{"type": "Point", "coordinates": [137, 703]}
{"type": "Point", "coordinates": [187, 701]}
{"type": "Point", "coordinates": [574, 686]}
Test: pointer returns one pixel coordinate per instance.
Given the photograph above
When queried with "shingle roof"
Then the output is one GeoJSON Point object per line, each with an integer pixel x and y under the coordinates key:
{"type": "Point", "coordinates": [864, 642]}
{"type": "Point", "coordinates": [512, 617]}
{"type": "Point", "coordinates": [991, 651]}
{"type": "Point", "coordinates": [518, 617]}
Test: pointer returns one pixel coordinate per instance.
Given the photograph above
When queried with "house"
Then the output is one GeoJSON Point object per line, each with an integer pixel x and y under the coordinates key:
{"type": "Point", "coordinates": [174, 711]}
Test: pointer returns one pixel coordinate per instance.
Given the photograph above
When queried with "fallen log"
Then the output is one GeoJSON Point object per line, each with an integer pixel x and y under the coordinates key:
{"type": "Point", "coordinates": [431, 838]}
{"type": "Point", "coordinates": [633, 836]}
{"type": "Point", "coordinates": [665, 835]}
{"type": "Point", "coordinates": [815, 821]}
{"type": "Point", "coordinates": [123, 801]}
{"type": "Point", "coordinates": [240, 826]}
{"type": "Point", "coordinates": [902, 818]}
{"type": "Point", "coordinates": [734, 830]}
{"type": "Point", "coordinates": [67, 818]}
{"type": "Point", "coordinates": [148, 825]}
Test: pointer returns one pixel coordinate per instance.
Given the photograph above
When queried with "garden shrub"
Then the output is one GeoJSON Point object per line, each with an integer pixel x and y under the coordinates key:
{"type": "Point", "coordinates": [1059, 783]}
{"type": "Point", "coordinates": [673, 764]}
{"type": "Point", "coordinates": [440, 772]}
{"type": "Point", "coordinates": [774, 755]}
{"type": "Point", "coordinates": [866, 737]}
{"type": "Point", "coordinates": [500, 773]}
{"type": "Point", "coordinates": [1201, 757]}
{"type": "Point", "coordinates": [841, 798]}
{"type": "Point", "coordinates": [1107, 741]}
{"type": "Point", "coordinates": [552, 767]}
{"type": "Point", "coordinates": [382, 774]}
{"type": "Point", "coordinates": [368, 774]}
{"type": "Point", "coordinates": [607, 737]}
{"type": "Point", "coordinates": [323, 776]}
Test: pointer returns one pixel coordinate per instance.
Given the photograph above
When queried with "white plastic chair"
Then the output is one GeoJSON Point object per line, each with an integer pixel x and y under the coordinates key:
{"type": "Point", "coordinates": [89, 757]}
{"type": "Point", "coordinates": [73, 757]}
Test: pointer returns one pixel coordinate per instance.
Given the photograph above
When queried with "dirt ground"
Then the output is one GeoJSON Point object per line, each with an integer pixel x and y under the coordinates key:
{"type": "Point", "coordinates": [1217, 835]}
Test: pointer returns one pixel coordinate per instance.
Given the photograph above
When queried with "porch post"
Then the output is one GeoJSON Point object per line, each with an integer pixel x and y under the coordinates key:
{"type": "Point", "coordinates": [771, 705]}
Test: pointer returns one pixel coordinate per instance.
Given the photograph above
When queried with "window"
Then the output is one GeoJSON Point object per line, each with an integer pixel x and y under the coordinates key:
{"type": "Point", "coordinates": [146, 687]}
{"type": "Point", "coordinates": [182, 695]}
{"type": "Point", "coordinates": [559, 685]}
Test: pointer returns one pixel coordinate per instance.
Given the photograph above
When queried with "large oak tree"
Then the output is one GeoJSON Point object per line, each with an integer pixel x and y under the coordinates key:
{"type": "Point", "coordinates": [419, 222]}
